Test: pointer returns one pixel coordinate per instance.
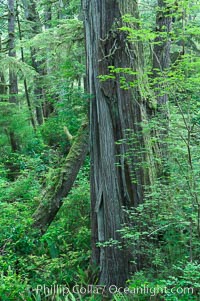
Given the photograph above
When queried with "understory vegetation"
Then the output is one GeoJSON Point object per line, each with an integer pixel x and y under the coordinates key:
{"type": "Point", "coordinates": [44, 101]}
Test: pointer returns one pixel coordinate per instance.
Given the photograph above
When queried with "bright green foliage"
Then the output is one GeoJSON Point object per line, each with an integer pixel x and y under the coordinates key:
{"type": "Point", "coordinates": [162, 233]}
{"type": "Point", "coordinates": [61, 256]}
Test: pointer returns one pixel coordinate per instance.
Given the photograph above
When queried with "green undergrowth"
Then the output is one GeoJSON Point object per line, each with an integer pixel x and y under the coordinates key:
{"type": "Point", "coordinates": [61, 256]}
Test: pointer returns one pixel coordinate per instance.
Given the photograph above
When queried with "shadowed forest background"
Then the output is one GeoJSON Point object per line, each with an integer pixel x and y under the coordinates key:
{"type": "Point", "coordinates": [100, 150]}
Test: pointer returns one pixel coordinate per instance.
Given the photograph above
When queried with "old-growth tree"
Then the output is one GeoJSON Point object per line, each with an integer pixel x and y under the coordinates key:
{"type": "Point", "coordinates": [115, 114]}
{"type": "Point", "coordinates": [118, 173]}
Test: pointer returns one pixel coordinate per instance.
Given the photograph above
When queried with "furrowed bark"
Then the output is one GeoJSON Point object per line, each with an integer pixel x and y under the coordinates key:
{"type": "Point", "coordinates": [118, 177]}
{"type": "Point", "coordinates": [53, 198]}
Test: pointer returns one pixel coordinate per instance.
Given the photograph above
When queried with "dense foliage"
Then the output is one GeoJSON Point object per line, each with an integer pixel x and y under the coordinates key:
{"type": "Point", "coordinates": [163, 233]}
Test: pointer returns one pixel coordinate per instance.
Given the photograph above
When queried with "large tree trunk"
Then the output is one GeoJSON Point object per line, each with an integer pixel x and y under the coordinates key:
{"type": "Point", "coordinates": [53, 198]}
{"type": "Point", "coordinates": [117, 176]}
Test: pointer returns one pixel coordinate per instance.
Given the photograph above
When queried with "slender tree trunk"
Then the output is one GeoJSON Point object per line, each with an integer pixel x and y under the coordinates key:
{"type": "Point", "coordinates": [118, 175]}
{"type": "Point", "coordinates": [25, 81]}
{"type": "Point", "coordinates": [48, 107]}
{"type": "Point", "coordinates": [161, 50]}
{"type": "Point", "coordinates": [13, 86]}
{"type": "Point", "coordinates": [161, 63]}
{"type": "Point", "coordinates": [3, 86]}
{"type": "Point", "coordinates": [33, 19]}
{"type": "Point", "coordinates": [53, 198]}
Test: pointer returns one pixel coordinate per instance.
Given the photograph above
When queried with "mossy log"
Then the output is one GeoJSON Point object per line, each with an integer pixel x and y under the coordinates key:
{"type": "Point", "coordinates": [53, 197]}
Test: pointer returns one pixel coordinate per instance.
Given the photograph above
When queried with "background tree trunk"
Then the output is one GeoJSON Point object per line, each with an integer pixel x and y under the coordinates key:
{"type": "Point", "coordinates": [161, 50]}
{"type": "Point", "coordinates": [35, 25]}
{"type": "Point", "coordinates": [3, 86]}
{"type": "Point", "coordinates": [47, 106]}
{"type": "Point", "coordinates": [13, 86]}
{"type": "Point", "coordinates": [161, 63]}
{"type": "Point", "coordinates": [29, 105]}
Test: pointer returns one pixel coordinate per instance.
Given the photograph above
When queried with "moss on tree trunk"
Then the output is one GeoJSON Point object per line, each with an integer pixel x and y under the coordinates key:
{"type": "Point", "coordinates": [53, 198]}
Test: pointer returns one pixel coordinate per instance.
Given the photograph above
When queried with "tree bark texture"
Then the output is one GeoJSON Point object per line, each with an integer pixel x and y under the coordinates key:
{"type": "Point", "coordinates": [53, 198]}
{"type": "Point", "coordinates": [118, 175]}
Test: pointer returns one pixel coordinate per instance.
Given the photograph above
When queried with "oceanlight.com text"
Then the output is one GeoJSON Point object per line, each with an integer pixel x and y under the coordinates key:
{"type": "Point", "coordinates": [63, 290]}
